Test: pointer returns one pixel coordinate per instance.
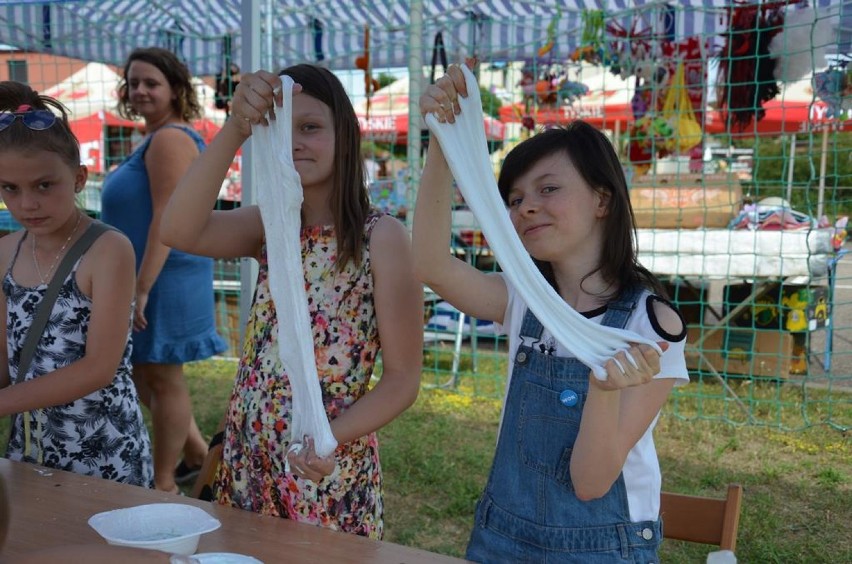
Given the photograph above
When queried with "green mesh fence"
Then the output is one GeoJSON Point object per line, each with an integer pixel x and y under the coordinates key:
{"type": "Point", "coordinates": [732, 122]}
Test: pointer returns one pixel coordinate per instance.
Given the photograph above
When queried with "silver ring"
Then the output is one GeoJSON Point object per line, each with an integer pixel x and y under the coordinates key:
{"type": "Point", "coordinates": [246, 119]}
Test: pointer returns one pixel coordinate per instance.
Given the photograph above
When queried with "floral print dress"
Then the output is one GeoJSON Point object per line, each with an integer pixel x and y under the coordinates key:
{"type": "Point", "coordinates": [102, 434]}
{"type": "Point", "coordinates": [257, 432]}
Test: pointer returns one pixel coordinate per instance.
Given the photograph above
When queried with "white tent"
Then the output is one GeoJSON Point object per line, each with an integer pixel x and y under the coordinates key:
{"type": "Point", "coordinates": [205, 33]}
{"type": "Point", "coordinates": [90, 94]}
{"type": "Point", "coordinates": [88, 91]}
{"type": "Point", "coordinates": [94, 88]}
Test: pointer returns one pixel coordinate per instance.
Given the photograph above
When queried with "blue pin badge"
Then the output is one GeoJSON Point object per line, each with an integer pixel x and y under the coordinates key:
{"type": "Point", "coordinates": [568, 398]}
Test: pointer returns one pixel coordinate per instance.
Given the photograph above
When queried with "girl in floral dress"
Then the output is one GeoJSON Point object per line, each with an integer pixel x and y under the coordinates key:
{"type": "Point", "coordinates": [76, 407]}
{"type": "Point", "coordinates": [362, 298]}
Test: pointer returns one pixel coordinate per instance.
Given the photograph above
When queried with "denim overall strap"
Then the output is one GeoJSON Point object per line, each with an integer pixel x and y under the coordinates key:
{"type": "Point", "coordinates": [531, 327]}
{"type": "Point", "coordinates": [618, 311]}
{"type": "Point", "coordinates": [529, 511]}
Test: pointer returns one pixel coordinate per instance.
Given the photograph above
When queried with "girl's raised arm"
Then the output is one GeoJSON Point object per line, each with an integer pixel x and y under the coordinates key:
{"type": "Point", "coordinates": [190, 222]}
{"type": "Point", "coordinates": [478, 294]}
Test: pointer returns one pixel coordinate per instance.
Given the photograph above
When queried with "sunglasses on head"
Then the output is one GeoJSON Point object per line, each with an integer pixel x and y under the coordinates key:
{"type": "Point", "coordinates": [37, 120]}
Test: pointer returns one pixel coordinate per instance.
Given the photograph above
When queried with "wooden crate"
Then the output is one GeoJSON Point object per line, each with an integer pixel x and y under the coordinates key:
{"type": "Point", "coordinates": [750, 352]}
{"type": "Point", "coordinates": [685, 201]}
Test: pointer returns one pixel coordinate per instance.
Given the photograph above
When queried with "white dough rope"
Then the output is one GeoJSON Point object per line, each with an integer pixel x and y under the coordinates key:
{"type": "Point", "coordinates": [279, 197]}
{"type": "Point", "coordinates": [465, 149]}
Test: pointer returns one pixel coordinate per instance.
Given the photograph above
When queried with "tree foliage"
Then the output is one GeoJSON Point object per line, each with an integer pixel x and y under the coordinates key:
{"type": "Point", "coordinates": [771, 163]}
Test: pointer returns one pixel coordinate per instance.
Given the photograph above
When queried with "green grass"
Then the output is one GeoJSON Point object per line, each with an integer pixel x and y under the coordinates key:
{"type": "Point", "coordinates": [798, 485]}
{"type": "Point", "coordinates": [759, 401]}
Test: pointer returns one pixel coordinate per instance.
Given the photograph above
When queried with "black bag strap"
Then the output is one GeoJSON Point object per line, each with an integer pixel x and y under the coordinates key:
{"type": "Point", "coordinates": [438, 52]}
{"type": "Point", "coordinates": [46, 305]}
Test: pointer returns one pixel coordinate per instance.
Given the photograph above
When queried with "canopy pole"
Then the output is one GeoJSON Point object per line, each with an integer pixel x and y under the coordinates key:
{"type": "Point", "coordinates": [250, 42]}
{"type": "Point", "coordinates": [790, 169]}
{"type": "Point", "coordinates": [822, 165]}
{"type": "Point", "coordinates": [415, 73]}
{"type": "Point", "coordinates": [268, 59]}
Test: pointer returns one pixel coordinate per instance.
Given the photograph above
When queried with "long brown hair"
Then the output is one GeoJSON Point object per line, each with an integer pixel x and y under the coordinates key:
{"type": "Point", "coordinates": [350, 202]}
{"type": "Point", "coordinates": [185, 103]}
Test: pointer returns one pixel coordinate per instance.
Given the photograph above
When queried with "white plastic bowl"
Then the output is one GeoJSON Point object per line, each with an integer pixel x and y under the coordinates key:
{"type": "Point", "coordinates": [170, 527]}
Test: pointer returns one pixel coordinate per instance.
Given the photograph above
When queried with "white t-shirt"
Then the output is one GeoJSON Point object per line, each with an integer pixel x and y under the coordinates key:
{"type": "Point", "coordinates": [642, 477]}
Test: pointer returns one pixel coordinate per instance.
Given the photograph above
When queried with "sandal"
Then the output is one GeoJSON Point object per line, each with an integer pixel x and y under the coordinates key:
{"type": "Point", "coordinates": [184, 475]}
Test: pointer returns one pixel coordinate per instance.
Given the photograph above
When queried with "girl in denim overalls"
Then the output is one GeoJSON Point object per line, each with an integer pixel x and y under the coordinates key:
{"type": "Point", "coordinates": [575, 477]}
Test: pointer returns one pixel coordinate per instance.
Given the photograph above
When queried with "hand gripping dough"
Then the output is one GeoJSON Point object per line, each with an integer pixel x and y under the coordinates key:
{"type": "Point", "coordinates": [465, 148]}
{"type": "Point", "coordinates": [279, 197]}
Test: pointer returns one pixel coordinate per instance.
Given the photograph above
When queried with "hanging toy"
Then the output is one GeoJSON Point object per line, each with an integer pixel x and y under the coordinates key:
{"type": "Point", "coordinates": [591, 48]}
{"type": "Point", "coordinates": [622, 49]}
{"type": "Point", "coordinates": [649, 136]}
{"type": "Point", "coordinates": [640, 102]}
{"type": "Point", "coordinates": [546, 89]}
{"type": "Point", "coordinates": [363, 62]}
{"type": "Point", "coordinates": [840, 233]}
{"type": "Point", "coordinates": [677, 110]}
{"type": "Point", "coordinates": [746, 67]}
{"type": "Point", "coordinates": [570, 91]}
{"type": "Point", "coordinates": [527, 84]}
{"type": "Point", "coordinates": [551, 34]}
{"type": "Point", "coordinates": [690, 53]}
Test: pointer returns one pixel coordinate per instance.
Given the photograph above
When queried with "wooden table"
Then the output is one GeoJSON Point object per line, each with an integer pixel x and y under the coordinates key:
{"type": "Point", "coordinates": [51, 508]}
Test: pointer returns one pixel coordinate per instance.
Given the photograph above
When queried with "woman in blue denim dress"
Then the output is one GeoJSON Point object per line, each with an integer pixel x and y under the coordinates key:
{"type": "Point", "coordinates": [575, 477]}
{"type": "Point", "coordinates": [174, 318]}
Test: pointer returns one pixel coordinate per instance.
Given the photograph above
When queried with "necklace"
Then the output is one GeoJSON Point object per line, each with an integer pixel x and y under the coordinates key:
{"type": "Point", "coordinates": [42, 277]}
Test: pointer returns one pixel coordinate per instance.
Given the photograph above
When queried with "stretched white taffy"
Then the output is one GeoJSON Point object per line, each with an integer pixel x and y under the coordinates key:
{"type": "Point", "coordinates": [466, 151]}
{"type": "Point", "coordinates": [279, 197]}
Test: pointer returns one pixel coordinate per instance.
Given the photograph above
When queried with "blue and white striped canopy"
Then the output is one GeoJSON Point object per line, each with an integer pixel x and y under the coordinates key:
{"type": "Point", "coordinates": [205, 32]}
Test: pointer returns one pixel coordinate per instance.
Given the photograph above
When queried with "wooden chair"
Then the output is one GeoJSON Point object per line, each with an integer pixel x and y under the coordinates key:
{"type": "Point", "coordinates": [703, 519]}
{"type": "Point", "coordinates": [203, 487]}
